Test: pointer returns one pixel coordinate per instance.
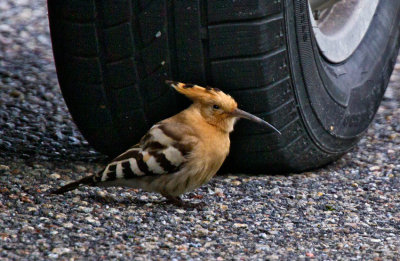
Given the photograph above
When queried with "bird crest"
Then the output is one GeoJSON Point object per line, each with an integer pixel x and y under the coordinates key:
{"type": "Point", "coordinates": [205, 95]}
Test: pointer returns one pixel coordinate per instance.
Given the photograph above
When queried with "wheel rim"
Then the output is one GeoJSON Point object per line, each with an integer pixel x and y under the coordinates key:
{"type": "Point", "coordinates": [340, 25]}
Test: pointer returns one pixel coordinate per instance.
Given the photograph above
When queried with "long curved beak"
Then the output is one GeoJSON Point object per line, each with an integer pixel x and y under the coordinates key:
{"type": "Point", "coordinates": [242, 114]}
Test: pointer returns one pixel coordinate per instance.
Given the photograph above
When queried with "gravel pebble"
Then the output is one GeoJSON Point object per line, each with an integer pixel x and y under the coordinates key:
{"type": "Point", "coordinates": [348, 210]}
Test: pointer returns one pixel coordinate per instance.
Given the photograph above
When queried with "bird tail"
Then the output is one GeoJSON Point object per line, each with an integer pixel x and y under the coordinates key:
{"type": "Point", "coordinates": [89, 180]}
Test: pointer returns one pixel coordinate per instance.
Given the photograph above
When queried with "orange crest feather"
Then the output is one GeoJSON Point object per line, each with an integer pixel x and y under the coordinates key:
{"type": "Point", "coordinates": [207, 95]}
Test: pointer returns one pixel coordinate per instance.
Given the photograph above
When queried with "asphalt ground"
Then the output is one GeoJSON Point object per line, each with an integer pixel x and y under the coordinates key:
{"type": "Point", "coordinates": [348, 210]}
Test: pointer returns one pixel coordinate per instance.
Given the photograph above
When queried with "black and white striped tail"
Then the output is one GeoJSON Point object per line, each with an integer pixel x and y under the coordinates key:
{"type": "Point", "coordinates": [89, 180]}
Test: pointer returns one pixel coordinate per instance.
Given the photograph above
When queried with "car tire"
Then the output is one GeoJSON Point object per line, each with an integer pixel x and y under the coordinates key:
{"type": "Point", "coordinates": [112, 58]}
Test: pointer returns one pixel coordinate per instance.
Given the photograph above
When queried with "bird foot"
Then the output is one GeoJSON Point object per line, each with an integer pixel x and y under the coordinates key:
{"type": "Point", "coordinates": [183, 204]}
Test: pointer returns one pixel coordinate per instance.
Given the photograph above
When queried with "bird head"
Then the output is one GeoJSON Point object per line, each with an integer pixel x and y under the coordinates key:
{"type": "Point", "coordinates": [216, 107]}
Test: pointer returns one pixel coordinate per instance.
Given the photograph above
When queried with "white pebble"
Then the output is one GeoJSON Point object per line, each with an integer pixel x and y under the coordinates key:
{"type": "Point", "coordinates": [55, 176]}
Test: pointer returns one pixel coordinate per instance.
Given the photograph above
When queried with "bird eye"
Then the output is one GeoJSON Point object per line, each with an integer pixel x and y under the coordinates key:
{"type": "Point", "coordinates": [215, 107]}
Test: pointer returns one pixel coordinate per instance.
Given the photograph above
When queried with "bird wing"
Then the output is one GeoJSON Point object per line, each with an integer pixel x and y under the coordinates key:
{"type": "Point", "coordinates": [163, 150]}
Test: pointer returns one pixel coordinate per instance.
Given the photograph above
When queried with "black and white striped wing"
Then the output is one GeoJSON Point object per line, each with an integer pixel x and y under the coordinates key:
{"type": "Point", "coordinates": [163, 150]}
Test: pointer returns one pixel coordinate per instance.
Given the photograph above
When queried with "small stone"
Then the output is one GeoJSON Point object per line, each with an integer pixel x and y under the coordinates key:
{"type": "Point", "coordinates": [61, 216]}
{"type": "Point", "coordinates": [68, 225]}
{"type": "Point", "coordinates": [59, 135]}
{"type": "Point", "coordinates": [374, 168]}
{"type": "Point", "coordinates": [101, 193]}
{"type": "Point", "coordinates": [375, 240]}
{"type": "Point", "coordinates": [55, 176]}
{"type": "Point", "coordinates": [74, 141]}
{"type": "Point", "coordinates": [10, 125]}
{"type": "Point", "coordinates": [81, 168]}
{"type": "Point", "coordinates": [236, 182]}
{"type": "Point", "coordinates": [144, 198]}
{"type": "Point", "coordinates": [49, 96]}
{"type": "Point", "coordinates": [202, 231]}
{"type": "Point", "coordinates": [182, 248]}
{"type": "Point", "coordinates": [92, 221]}
{"type": "Point", "coordinates": [329, 208]}
{"type": "Point", "coordinates": [4, 167]}
{"type": "Point", "coordinates": [223, 207]}
{"type": "Point", "coordinates": [27, 229]}
{"type": "Point", "coordinates": [76, 199]}
{"type": "Point", "coordinates": [5, 28]}
{"type": "Point", "coordinates": [219, 192]}
{"type": "Point", "coordinates": [239, 225]}
{"type": "Point", "coordinates": [180, 211]}
{"type": "Point", "coordinates": [16, 94]}
{"type": "Point", "coordinates": [4, 190]}
{"type": "Point", "coordinates": [353, 225]}
{"type": "Point", "coordinates": [26, 199]}
{"type": "Point", "coordinates": [53, 255]}
{"type": "Point", "coordinates": [310, 255]}
{"type": "Point", "coordinates": [58, 118]}
{"type": "Point", "coordinates": [85, 209]}
{"type": "Point", "coordinates": [61, 250]}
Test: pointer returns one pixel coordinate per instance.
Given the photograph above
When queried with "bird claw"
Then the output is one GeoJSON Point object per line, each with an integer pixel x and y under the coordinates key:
{"type": "Point", "coordinates": [183, 204]}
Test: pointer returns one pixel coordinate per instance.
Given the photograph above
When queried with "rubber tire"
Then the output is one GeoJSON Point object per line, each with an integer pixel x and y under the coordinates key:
{"type": "Point", "coordinates": [112, 58]}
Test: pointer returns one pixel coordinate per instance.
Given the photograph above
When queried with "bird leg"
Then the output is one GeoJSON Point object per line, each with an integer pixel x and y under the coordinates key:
{"type": "Point", "coordinates": [177, 201]}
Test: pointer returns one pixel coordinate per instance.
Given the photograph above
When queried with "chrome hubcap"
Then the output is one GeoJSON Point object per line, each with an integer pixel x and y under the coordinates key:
{"type": "Point", "coordinates": [340, 25]}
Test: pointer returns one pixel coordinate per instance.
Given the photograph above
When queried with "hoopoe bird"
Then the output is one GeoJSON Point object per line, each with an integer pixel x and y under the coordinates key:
{"type": "Point", "coordinates": [180, 153]}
